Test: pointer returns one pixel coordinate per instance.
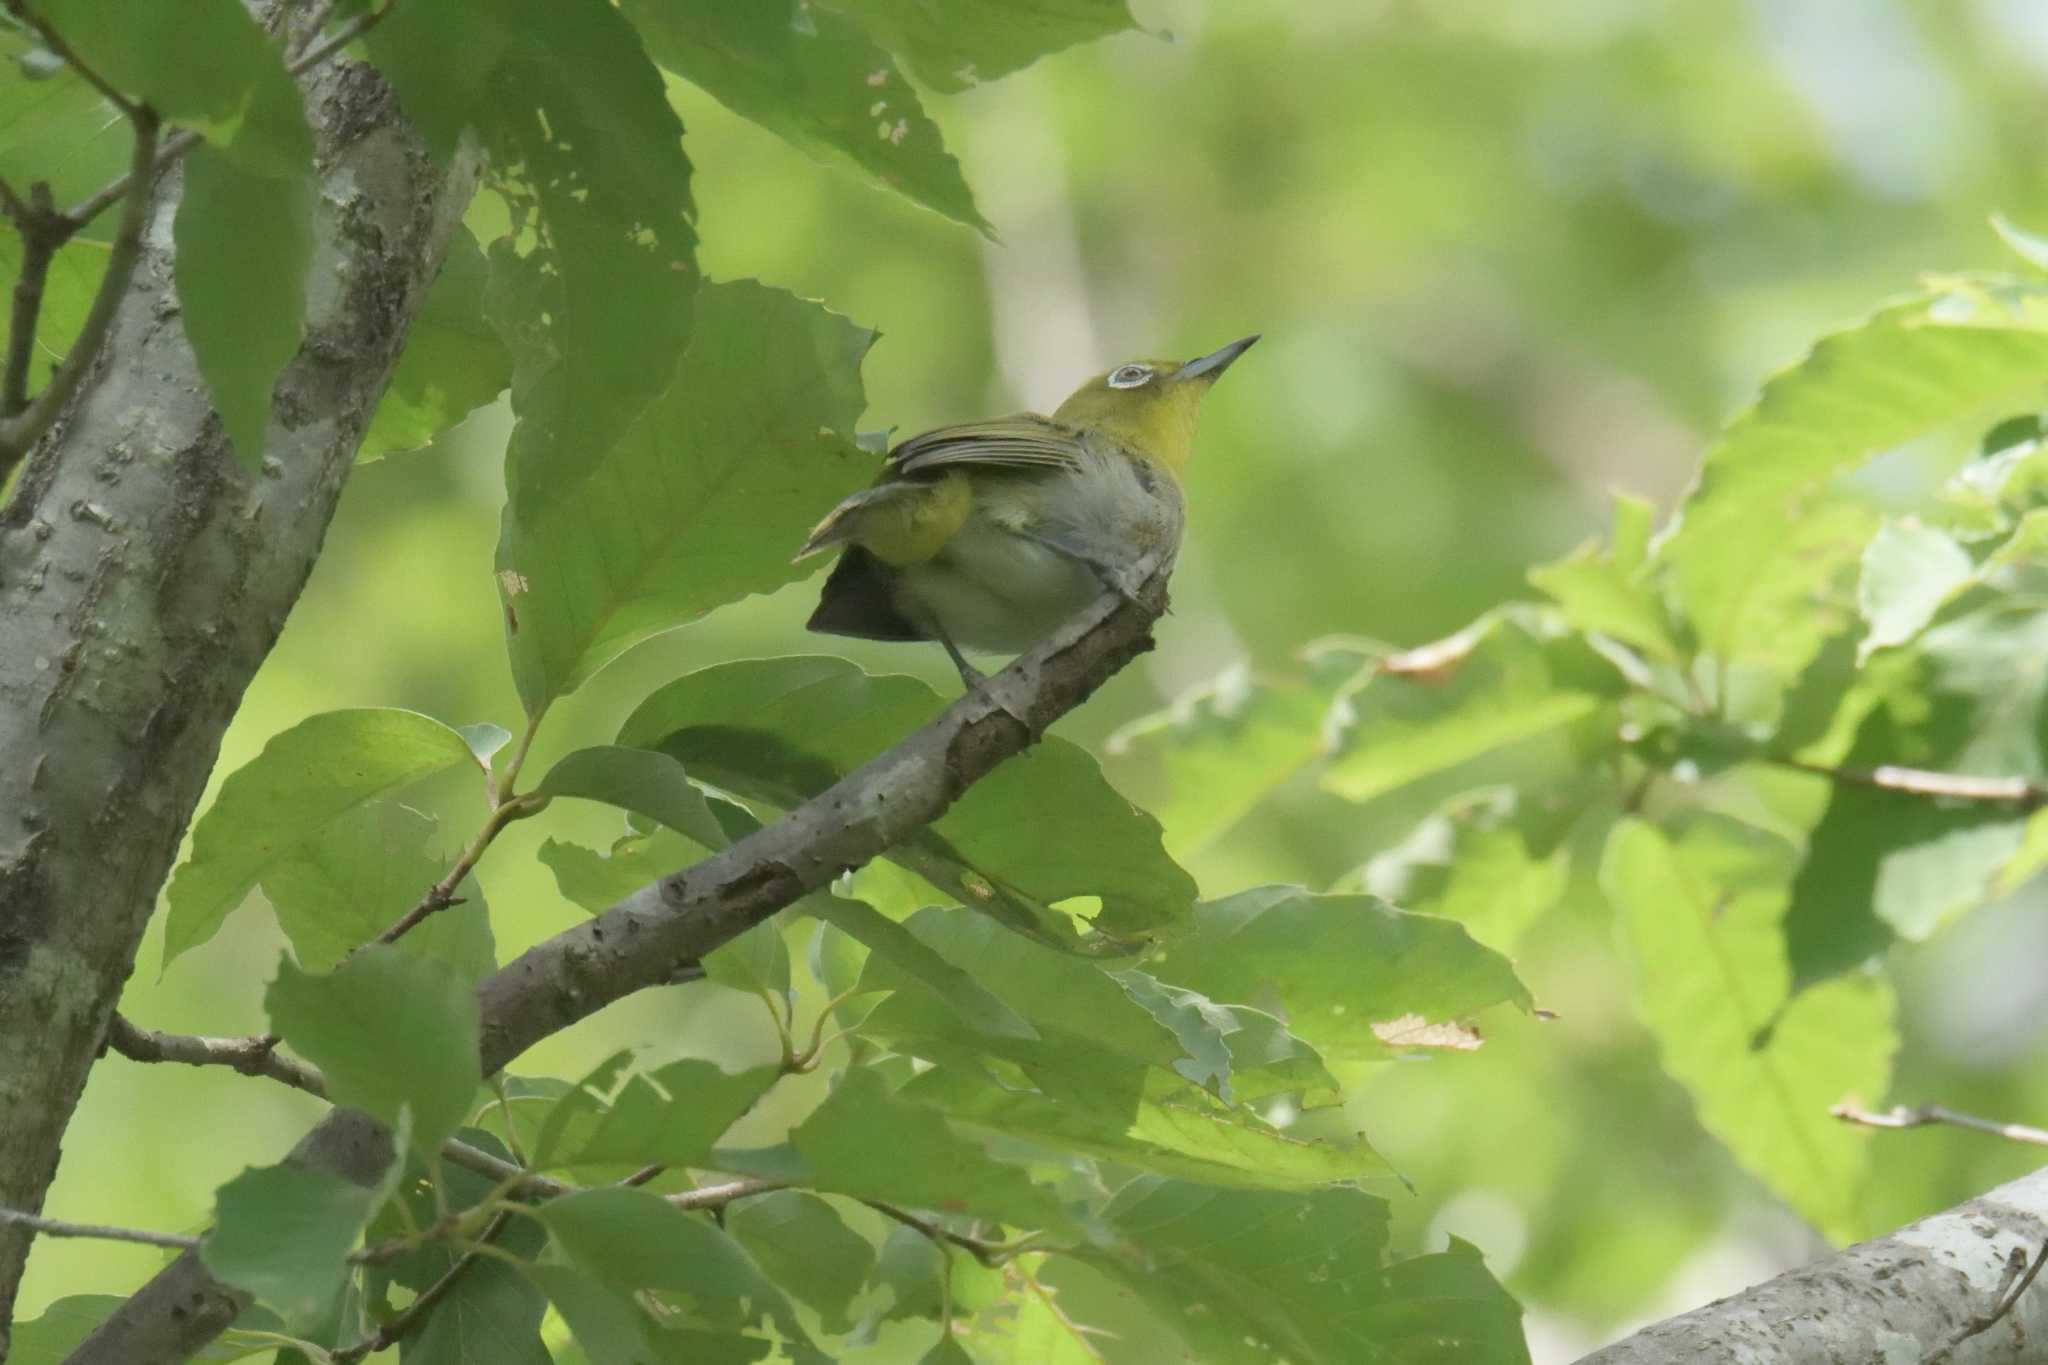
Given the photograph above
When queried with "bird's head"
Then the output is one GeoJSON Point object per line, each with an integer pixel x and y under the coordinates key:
{"type": "Point", "coordinates": [1150, 405]}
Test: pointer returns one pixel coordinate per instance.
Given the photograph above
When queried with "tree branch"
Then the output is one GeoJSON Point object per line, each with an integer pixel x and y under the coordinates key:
{"type": "Point", "coordinates": [57, 1227]}
{"type": "Point", "coordinates": [2015, 791]}
{"type": "Point", "coordinates": [1901, 1117]}
{"type": "Point", "coordinates": [1942, 1284]}
{"type": "Point", "coordinates": [640, 941]}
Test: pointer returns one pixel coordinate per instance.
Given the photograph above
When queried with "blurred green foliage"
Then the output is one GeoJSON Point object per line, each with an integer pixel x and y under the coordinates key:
{"type": "Point", "coordinates": [1506, 258]}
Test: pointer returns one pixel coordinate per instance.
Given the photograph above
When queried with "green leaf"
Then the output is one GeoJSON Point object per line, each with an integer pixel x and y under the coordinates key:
{"type": "Point", "coordinates": [2030, 247]}
{"type": "Point", "coordinates": [701, 502]}
{"type": "Point", "coordinates": [208, 66]}
{"type": "Point", "coordinates": [1598, 594]}
{"type": "Point", "coordinates": [1494, 860]}
{"type": "Point", "coordinates": [1909, 572]}
{"type": "Point", "coordinates": [672, 1114]}
{"type": "Point", "coordinates": [1701, 912]}
{"type": "Point", "coordinates": [639, 780]}
{"type": "Point", "coordinates": [245, 248]}
{"type": "Point", "coordinates": [283, 1235]}
{"type": "Point", "coordinates": [48, 1339]}
{"type": "Point", "coordinates": [609, 1328]}
{"type": "Point", "coordinates": [1042, 828]}
{"type": "Point", "coordinates": [392, 1033]}
{"type": "Point", "coordinates": [306, 778]}
{"type": "Point", "coordinates": [1908, 370]}
{"type": "Point", "coordinates": [1510, 676]}
{"type": "Point", "coordinates": [369, 867]}
{"type": "Point", "coordinates": [1248, 1277]}
{"type": "Point", "coordinates": [929, 1163]}
{"type": "Point", "coordinates": [1882, 862]}
{"type": "Point", "coordinates": [810, 76]}
{"type": "Point", "coordinates": [954, 45]}
{"type": "Point", "coordinates": [1230, 743]}
{"type": "Point", "coordinates": [755, 961]}
{"type": "Point", "coordinates": [972, 1003]}
{"type": "Point", "coordinates": [805, 1246]}
{"type": "Point", "coordinates": [597, 880]}
{"type": "Point", "coordinates": [1336, 965]}
{"type": "Point", "coordinates": [453, 362]}
{"type": "Point", "coordinates": [636, 1243]}
{"type": "Point", "coordinates": [490, 1316]}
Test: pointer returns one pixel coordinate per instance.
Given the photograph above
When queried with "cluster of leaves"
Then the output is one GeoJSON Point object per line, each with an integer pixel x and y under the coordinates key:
{"type": "Point", "coordinates": [1783, 733]}
{"type": "Point", "coordinates": [1074, 1114]}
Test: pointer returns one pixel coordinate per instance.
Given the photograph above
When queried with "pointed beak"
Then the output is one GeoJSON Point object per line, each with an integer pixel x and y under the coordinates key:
{"type": "Point", "coordinates": [1214, 363]}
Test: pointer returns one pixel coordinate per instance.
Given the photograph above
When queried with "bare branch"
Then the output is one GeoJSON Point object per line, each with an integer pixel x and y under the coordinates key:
{"type": "Point", "coordinates": [2015, 791]}
{"type": "Point", "coordinates": [252, 1056]}
{"type": "Point", "coordinates": [2004, 1304]}
{"type": "Point", "coordinates": [1902, 1117]}
{"type": "Point", "coordinates": [641, 941]}
{"type": "Point", "coordinates": [21, 430]}
{"type": "Point", "coordinates": [57, 1227]}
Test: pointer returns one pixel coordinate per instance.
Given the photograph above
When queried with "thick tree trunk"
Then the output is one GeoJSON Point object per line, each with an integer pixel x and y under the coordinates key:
{"type": "Point", "coordinates": [143, 578]}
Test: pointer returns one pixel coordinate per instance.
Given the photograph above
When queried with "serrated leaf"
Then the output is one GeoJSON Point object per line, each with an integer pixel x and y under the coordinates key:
{"type": "Point", "coordinates": [1909, 369]}
{"type": "Point", "coordinates": [701, 502]}
{"type": "Point", "coordinates": [453, 363]}
{"type": "Point", "coordinates": [283, 1234]}
{"type": "Point", "coordinates": [490, 1316]}
{"type": "Point", "coordinates": [245, 247]}
{"type": "Point", "coordinates": [392, 1033]}
{"type": "Point", "coordinates": [1247, 1277]}
{"type": "Point", "coordinates": [319, 771]}
{"type": "Point", "coordinates": [208, 67]}
{"type": "Point", "coordinates": [672, 1114]}
{"type": "Point", "coordinates": [805, 1246]}
{"type": "Point", "coordinates": [811, 76]}
{"type": "Point", "coordinates": [1909, 572]}
{"type": "Point", "coordinates": [640, 780]}
{"type": "Point", "coordinates": [369, 868]}
{"type": "Point", "coordinates": [1701, 914]}
{"type": "Point", "coordinates": [1042, 828]}
{"type": "Point", "coordinates": [954, 45]}
{"type": "Point", "coordinates": [1335, 965]}
{"type": "Point", "coordinates": [1230, 743]}
{"type": "Point", "coordinates": [1510, 676]}
{"type": "Point", "coordinates": [634, 1242]}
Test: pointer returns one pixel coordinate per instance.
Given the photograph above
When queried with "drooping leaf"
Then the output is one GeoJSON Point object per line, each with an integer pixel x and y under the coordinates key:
{"type": "Point", "coordinates": [393, 1033]}
{"type": "Point", "coordinates": [954, 44]}
{"type": "Point", "coordinates": [1701, 914]}
{"type": "Point", "coordinates": [1246, 1277]}
{"type": "Point", "coordinates": [1510, 676]}
{"type": "Point", "coordinates": [454, 361]}
{"type": "Point", "coordinates": [805, 1246]}
{"type": "Point", "coordinates": [283, 1234]}
{"type": "Point", "coordinates": [1227, 745]}
{"type": "Point", "coordinates": [369, 867]}
{"type": "Point", "coordinates": [635, 1243]}
{"type": "Point", "coordinates": [245, 247]}
{"type": "Point", "coordinates": [306, 778]}
{"type": "Point", "coordinates": [1337, 964]}
{"type": "Point", "coordinates": [672, 1114]}
{"type": "Point", "coordinates": [703, 501]}
{"type": "Point", "coordinates": [1040, 829]}
{"type": "Point", "coordinates": [808, 74]}
{"type": "Point", "coordinates": [640, 780]}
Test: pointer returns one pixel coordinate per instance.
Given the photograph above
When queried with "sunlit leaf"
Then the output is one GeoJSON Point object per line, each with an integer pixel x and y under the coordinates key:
{"type": "Point", "coordinates": [951, 46]}
{"type": "Point", "coordinates": [1909, 571]}
{"type": "Point", "coordinates": [801, 1241]}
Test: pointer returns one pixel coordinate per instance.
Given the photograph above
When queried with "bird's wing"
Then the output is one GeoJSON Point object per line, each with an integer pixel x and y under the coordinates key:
{"type": "Point", "coordinates": [1025, 441]}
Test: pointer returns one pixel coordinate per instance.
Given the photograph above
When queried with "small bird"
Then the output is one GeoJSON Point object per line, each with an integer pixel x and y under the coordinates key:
{"type": "Point", "coordinates": [987, 535]}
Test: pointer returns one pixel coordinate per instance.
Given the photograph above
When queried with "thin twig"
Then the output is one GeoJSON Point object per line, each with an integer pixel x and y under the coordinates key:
{"type": "Point", "coordinates": [43, 231]}
{"type": "Point", "coordinates": [309, 29]}
{"type": "Point", "coordinates": [57, 1227]}
{"type": "Point", "coordinates": [990, 1254]}
{"type": "Point", "coordinates": [349, 32]}
{"type": "Point", "coordinates": [252, 1056]}
{"type": "Point", "coordinates": [20, 431]}
{"type": "Point", "coordinates": [718, 1196]}
{"type": "Point", "coordinates": [1849, 1111]}
{"type": "Point", "coordinates": [409, 1317]}
{"type": "Point", "coordinates": [55, 42]}
{"type": "Point", "coordinates": [2013, 791]}
{"type": "Point", "coordinates": [2002, 1303]}
{"type": "Point", "coordinates": [441, 895]}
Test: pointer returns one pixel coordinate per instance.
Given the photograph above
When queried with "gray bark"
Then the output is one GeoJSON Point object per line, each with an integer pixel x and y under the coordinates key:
{"type": "Point", "coordinates": [1924, 1290]}
{"type": "Point", "coordinates": [143, 578]}
{"type": "Point", "coordinates": [645, 938]}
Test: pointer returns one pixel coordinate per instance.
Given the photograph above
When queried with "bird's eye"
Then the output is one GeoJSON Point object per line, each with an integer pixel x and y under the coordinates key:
{"type": "Point", "coordinates": [1129, 376]}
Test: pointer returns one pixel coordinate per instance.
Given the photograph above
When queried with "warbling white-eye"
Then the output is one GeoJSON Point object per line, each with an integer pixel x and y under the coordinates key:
{"type": "Point", "coordinates": [988, 535]}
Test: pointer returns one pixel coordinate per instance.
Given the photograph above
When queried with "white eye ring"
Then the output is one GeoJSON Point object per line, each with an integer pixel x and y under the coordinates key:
{"type": "Point", "coordinates": [1130, 376]}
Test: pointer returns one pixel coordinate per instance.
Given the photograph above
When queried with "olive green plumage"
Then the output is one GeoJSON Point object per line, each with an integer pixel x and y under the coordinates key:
{"type": "Point", "coordinates": [988, 535]}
